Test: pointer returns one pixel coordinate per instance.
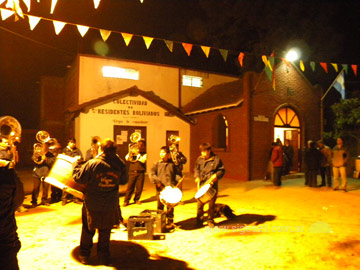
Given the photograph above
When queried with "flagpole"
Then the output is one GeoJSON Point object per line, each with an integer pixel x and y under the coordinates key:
{"type": "Point", "coordinates": [322, 104]}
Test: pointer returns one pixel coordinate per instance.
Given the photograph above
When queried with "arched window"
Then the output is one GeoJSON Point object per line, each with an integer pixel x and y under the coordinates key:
{"type": "Point", "coordinates": [286, 117]}
{"type": "Point", "coordinates": [220, 132]}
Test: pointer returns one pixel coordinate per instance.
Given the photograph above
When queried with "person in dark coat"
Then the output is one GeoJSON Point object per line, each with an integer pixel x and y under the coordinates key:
{"type": "Point", "coordinates": [209, 169]}
{"type": "Point", "coordinates": [11, 197]}
{"type": "Point", "coordinates": [312, 160]}
{"type": "Point", "coordinates": [101, 176]}
{"type": "Point", "coordinates": [277, 158]}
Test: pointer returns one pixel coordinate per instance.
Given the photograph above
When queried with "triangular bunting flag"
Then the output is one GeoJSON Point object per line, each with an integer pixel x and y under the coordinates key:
{"type": "Point", "coordinates": [53, 4]}
{"type": "Point", "coordinates": [27, 3]}
{"type": "Point", "coordinates": [58, 26]}
{"type": "Point", "coordinates": [224, 54]}
{"type": "Point", "coordinates": [127, 38]}
{"type": "Point", "coordinates": [187, 47]}
{"type": "Point", "coordinates": [96, 4]}
{"type": "Point", "coordinates": [15, 5]}
{"type": "Point", "coordinates": [335, 67]}
{"type": "Point", "coordinates": [105, 34]}
{"type": "Point", "coordinates": [354, 68]}
{"type": "Point", "coordinates": [169, 44]}
{"type": "Point", "coordinates": [148, 41]}
{"type": "Point", "coordinates": [345, 67]}
{"type": "Point", "coordinates": [82, 29]}
{"type": "Point", "coordinates": [268, 71]}
{"type": "Point", "coordinates": [5, 13]}
{"type": "Point", "coordinates": [206, 50]}
{"type": "Point", "coordinates": [302, 66]}
{"type": "Point", "coordinates": [33, 21]}
{"type": "Point", "coordinates": [241, 59]}
{"type": "Point", "coordinates": [312, 65]}
{"type": "Point", "coordinates": [324, 66]}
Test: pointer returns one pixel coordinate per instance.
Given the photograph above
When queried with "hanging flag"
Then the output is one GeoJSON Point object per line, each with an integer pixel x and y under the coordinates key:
{"type": "Point", "coordinates": [148, 41]}
{"type": "Point", "coordinates": [105, 34]}
{"type": "Point", "coordinates": [82, 29]}
{"type": "Point", "coordinates": [339, 84]}
{"type": "Point", "coordinates": [267, 69]}
{"type": "Point", "coordinates": [187, 48]}
{"type": "Point", "coordinates": [96, 3]}
{"type": "Point", "coordinates": [324, 66]}
{"type": "Point", "coordinates": [224, 54]}
{"type": "Point", "coordinates": [345, 67]}
{"type": "Point", "coordinates": [302, 66]}
{"type": "Point", "coordinates": [354, 68]}
{"type": "Point", "coordinates": [127, 38]}
{"type": "Point", "coordinates": [206, 50]}
{"type": "Point", "coordinates": [335, 67]}
{"type": "Point", "coordinates": [53, 4]}
{"type": "Point", "coordinates": [241, 58]}
{"type": "Point", "coordinates": [5, 13]}
{"type": "Point", "coordinates": [15, 5]}
{"type": "Point", "coordinates": [272, 66]}
{"type": "Point", "coordinates": [170, 45]}
{"type": "Point", "coordinates": [27, 3]}
{"type": "Point", "coordinates": [312, 65]}
{"type": "Point", "coordinates": [58, 26]}
{"type": "Point", "coordinates": [33, 21]}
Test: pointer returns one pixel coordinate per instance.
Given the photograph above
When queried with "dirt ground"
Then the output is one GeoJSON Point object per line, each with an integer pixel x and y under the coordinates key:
{"type": "Point", "coordinates": [292, 227]}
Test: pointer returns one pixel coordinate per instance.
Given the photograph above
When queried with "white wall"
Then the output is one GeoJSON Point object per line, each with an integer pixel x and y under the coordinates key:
{"type": "Point", "coordinates": [100, 121]}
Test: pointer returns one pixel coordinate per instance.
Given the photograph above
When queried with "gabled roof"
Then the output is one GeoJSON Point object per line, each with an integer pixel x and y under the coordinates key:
{"type": "Point", "coordinates": [133, 92]}
{"type": "Point", "coordinates": [221, 96]}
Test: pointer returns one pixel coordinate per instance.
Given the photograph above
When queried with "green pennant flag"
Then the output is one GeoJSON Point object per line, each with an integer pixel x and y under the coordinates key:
{"type": "Point", "coordinates": [345, 67]}
{"type": "Point", "coordinates": [267, 69]}
{"type": "Point", "coordinates": [312, 65]}
{"type": "Point", "coordinates": [169, 44]}
{"type": "Point", "coordinates": [224, 54]}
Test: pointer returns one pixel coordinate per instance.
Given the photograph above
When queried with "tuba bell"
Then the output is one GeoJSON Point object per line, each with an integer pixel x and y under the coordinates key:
{"type": "Point", "coordinates": [133, 154]}
{"type": "Point", "coordinates": [10, 133]}
{"type": "Point", "coordinates": [42, 137]}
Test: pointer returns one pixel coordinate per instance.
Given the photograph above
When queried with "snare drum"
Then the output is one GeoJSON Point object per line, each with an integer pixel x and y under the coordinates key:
{"type": "Point", "coordinates": [170, 196]}
{"type": "Point", "coordinates": [205, 193]}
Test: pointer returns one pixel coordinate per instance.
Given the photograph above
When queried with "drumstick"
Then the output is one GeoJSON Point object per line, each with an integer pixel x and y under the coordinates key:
{"type": "Point", "coordinates": [181, 179]}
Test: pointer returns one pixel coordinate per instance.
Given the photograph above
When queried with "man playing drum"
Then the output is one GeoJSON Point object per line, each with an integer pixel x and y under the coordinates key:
{"type": "Point", "coordinates": [209, 169]}
{"type": "Point", "coordinates": [164, 174]}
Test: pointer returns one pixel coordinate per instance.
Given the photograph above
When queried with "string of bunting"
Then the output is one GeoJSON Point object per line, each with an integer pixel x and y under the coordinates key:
{"type": "Point", "coordinates": [269, 61]}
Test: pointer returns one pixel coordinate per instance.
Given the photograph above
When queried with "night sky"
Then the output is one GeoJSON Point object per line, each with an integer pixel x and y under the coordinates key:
{"type": "Point", "coordinates": [326, 31]}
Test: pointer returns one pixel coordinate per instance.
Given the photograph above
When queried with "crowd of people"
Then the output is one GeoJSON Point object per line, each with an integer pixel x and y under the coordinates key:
{"type": "Point", "coordinates": [318, 159]}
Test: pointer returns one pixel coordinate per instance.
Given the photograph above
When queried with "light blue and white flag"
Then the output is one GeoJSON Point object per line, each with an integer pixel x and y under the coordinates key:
{"type": "Point", "coordinates": [340, 84]}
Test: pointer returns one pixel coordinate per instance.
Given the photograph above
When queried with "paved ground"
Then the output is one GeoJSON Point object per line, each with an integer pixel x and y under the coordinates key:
{"type": "Point", "coordinates": [292, 227]}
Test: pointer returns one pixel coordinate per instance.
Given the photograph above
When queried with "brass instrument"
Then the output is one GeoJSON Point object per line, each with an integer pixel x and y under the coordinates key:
{"type": "Point", "coordinates": [177, 157]}
{"type": "Point", "coordinates": [10, 133]}
{"type": "Point", "coordinates": [133, 152]}
{"type": "Point", "coordinates": [42, 137]}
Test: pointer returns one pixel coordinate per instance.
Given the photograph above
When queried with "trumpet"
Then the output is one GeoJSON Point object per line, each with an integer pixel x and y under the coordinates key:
{"type": "Point", "coordinates": [133, 152]}
{"type": "Point", "coordinates": [10, 133]}
{"type": "Point", "coordinates": [42, 137]}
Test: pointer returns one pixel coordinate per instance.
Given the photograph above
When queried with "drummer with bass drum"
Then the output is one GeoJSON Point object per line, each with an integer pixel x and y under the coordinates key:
{"type": "Point", "coordinates": [209, 169]}
{"type": "Point", "coordinates": [163, 174]}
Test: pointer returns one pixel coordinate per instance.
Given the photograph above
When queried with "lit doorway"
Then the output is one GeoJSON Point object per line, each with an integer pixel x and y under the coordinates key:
{"type": "Point", "coordinates": [287, 127]}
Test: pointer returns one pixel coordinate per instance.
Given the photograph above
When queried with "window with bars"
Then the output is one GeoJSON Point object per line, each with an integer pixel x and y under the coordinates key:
{"type": "Point", "coordinates": [286, 117]}
{"type": "Point", "coordinates": [192, 81]}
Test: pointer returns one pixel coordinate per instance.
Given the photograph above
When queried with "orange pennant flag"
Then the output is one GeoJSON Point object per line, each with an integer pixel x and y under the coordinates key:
{"type": "Point", "coordinates": [187, 47]}
{"type": "Point", "coordinates": [324, 66]}
{"type": "Point", "coordinates": [241, 58]}
{"type": "Point", "coordinates": [127, 38]}
{"type": "Point", "coordinates": [105, 34]}
{"type": "Point", "coordinates": [354, 68]}
{"type": "Point", "coordinates": [206, 50]}
{"type": "Point", "coordinates": [148, 41]}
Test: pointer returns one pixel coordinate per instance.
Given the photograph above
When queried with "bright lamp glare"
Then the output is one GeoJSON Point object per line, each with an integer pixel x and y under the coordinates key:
{"type": "Point", "coordinates": [292, 55]}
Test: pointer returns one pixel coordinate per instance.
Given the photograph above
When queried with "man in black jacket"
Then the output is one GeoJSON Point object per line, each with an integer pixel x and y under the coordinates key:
{"type": "Point", "coordinates": [102, 176]}
{"type": "Point", "coordinates": [11, 197]}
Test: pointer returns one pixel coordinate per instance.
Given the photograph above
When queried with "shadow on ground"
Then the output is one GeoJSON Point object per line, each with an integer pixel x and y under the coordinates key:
{"type": "Point", "coordinates": [130, 255]}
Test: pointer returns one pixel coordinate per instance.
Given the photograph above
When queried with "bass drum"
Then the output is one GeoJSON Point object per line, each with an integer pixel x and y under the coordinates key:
{"type": "Point", "coordinates": [60, 176]}
{"type": "Point", "coordinates": [205, 193]}
{"type": "Point", "coordinates": [170, 196]}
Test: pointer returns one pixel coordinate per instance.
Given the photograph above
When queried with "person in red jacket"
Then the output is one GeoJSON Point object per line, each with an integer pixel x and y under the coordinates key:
{"type": "Point", "coordinates": [277, 161]}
